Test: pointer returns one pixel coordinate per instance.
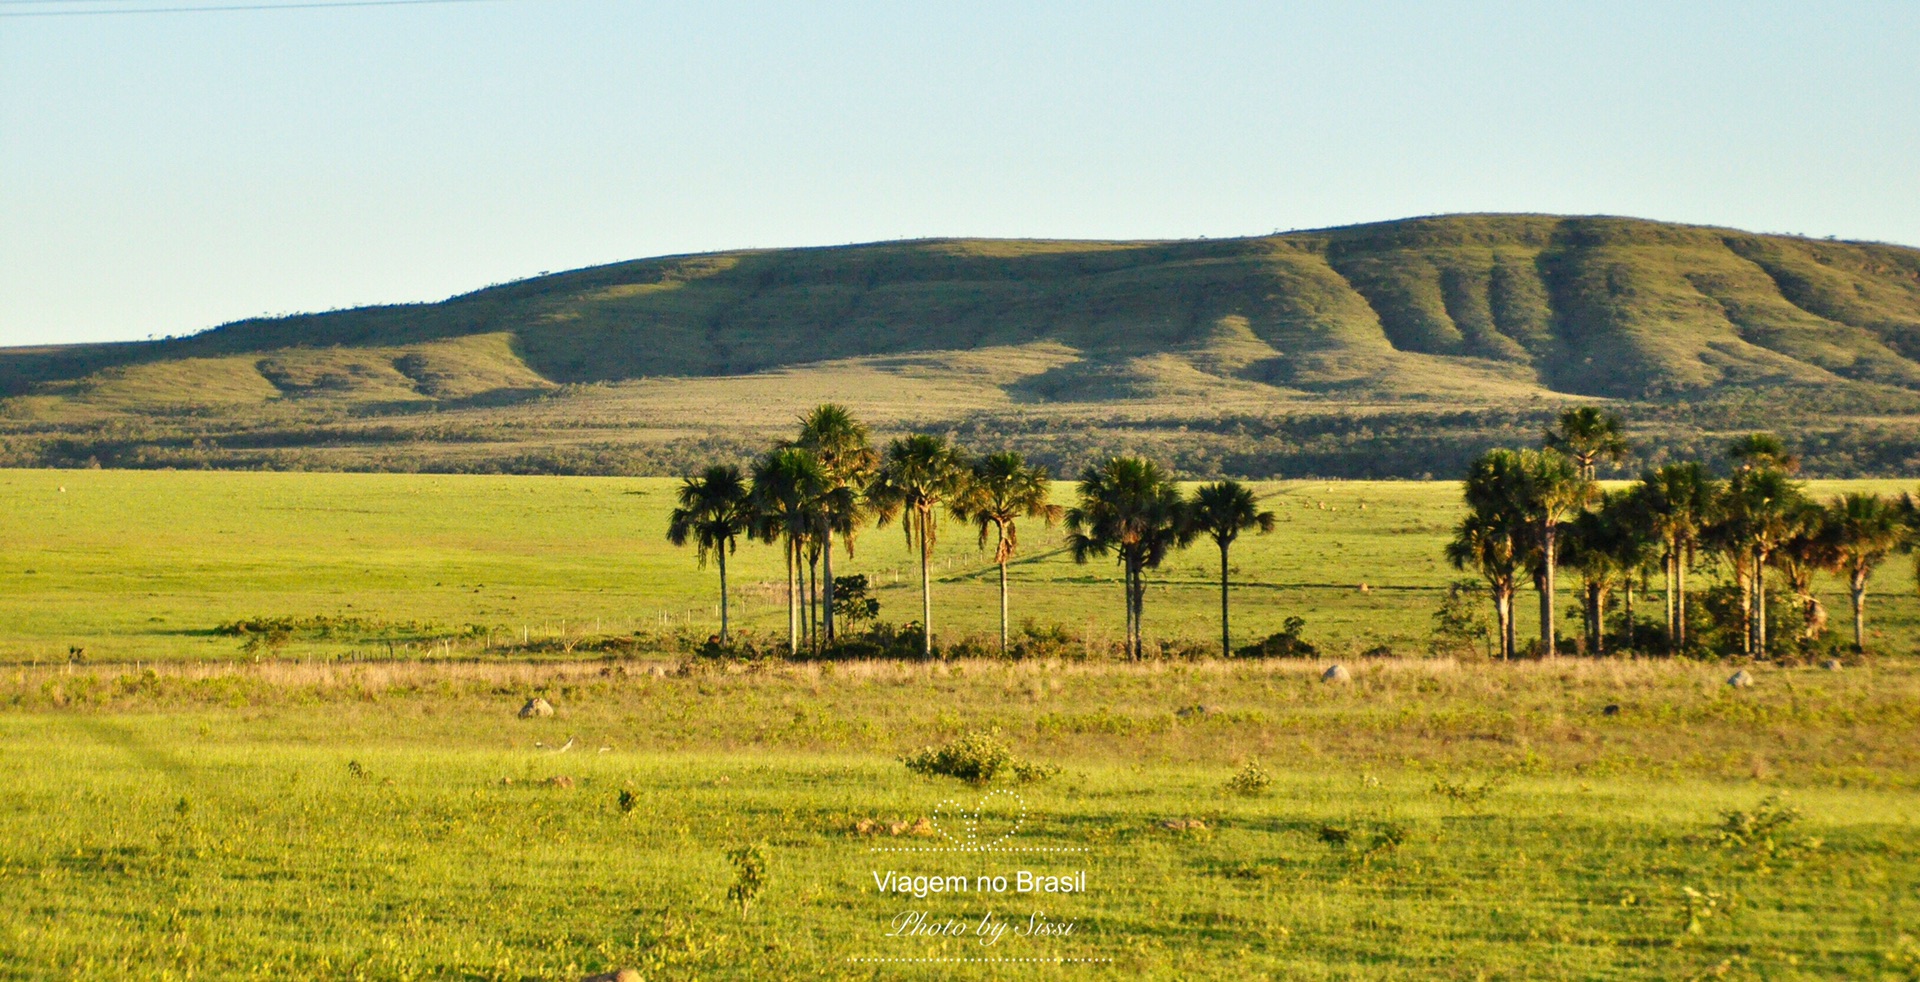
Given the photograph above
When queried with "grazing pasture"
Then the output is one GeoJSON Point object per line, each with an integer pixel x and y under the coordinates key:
{"type": "Point", "coordinates": [146, 565]}
{"type": "Point", "coordinates": [1427, 820]}
{"type": "Point", "coordinates": [361, 800]}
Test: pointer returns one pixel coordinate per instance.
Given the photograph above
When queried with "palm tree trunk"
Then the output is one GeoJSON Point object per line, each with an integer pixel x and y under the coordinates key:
{"type": "Point", "coordinates": [826, 584]}
{"type": "Point", "coordinates": [1859, 585]}
{"type": "Point", "coordinates": [1139, 614]}
{"type": "Point", "coordinates": [723, 592]}
{"type": "Point", "coordinates": [926, 594]}
{"type": "Point", "coordinates": [1759, 604]}
{"type": "Point", "coordinates": [1226, 636]}
{"type": "Point", "coordinates": [1503, 612]}
{"type": "Point", "coordinates": [1627, 609]}
{"type": "Point", "coordinates": [808, 585]}
{"type": "Point", "coordinates": [1546, 592]}
{"type": "Point", "coordinates": [1668, 567]}
{"type": "Point", "coordinates": [1003, 608]}
{"type": "Point", "coordinates": [1588, 591]}
{"type": "Point", "coordinates": [793, 599]}
{"type": "Point", "coordinates": [1680, 598]}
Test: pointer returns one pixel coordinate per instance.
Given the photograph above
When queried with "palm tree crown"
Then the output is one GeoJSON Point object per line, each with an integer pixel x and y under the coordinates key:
{"type": "Point", "coordinates": [1588, 434]}
{"type": "Point", "coordinates": [1761, 451]}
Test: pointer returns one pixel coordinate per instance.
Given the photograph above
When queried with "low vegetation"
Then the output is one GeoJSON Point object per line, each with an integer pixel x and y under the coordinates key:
{"type": "Point", "coordinates": [398, 821]}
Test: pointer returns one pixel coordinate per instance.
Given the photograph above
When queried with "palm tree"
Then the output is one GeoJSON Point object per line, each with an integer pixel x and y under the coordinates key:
{"type": "Point", "coordinates": [1496, 536]}
{"type": "Point", "coordinates": [1761, 451]}
{"type": "Point", "coordinates": [1486, 542]}
{"type": "Point", "coordinates": [1677, 502]}
{"type": "Point", "coordinates": [1587, 434]}
{"type": "Point", "coordinates": [1552, 491]}
{"type": "Point", "coordinates": [1809, 549]}
{"type": "Point", "coordinates": [713, 513]}
{"type": "Point", "coordinates": [1223, 510]}
{"type": "Point", "coordinates": [1865, 528]}
{"type": "Point", "coordinates": [1758, 516]}
{"type": "Point", "coordinates": [1130, 508]}
{"type": "Point", "coordinates": [919, 474]}
{"type": "Point", "coordinates": [1600, 544]}
{"type": "Point", "coordinates": [1002, 491]}
{"type": "Point", "coordinates": [787, 484]}
{"type": "Point", "coordinates": [847, 461]}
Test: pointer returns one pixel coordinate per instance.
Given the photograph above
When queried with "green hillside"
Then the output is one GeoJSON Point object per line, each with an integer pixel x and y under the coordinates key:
{"type": "Point", "coordinates": [1387, 324]}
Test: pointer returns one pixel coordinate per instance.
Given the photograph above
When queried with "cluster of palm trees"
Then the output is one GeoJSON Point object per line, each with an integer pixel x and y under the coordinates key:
{"type": "Point", "coordinates": [1532, 512]}
{"type": "Point", "coordinates": [829, 482]}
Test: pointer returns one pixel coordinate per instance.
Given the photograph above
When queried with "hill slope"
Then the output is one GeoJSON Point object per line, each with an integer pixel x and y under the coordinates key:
{"type": "Point", "coordinates": [1475, 311]}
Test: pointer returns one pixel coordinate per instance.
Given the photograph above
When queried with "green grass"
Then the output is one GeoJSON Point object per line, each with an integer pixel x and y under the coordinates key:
{"type": "Point", "coordinates": [171, 808]}
{"type": "Point", "coordinates": [141, 565]}
{"type": "Point", "coordinates": [397, 822]}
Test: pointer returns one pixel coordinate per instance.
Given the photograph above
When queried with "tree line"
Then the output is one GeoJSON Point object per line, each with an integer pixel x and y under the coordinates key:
{"type": "Point", "coordinates": [1533, 512]}
{"type": "Point", "coordinates": [829, 482]}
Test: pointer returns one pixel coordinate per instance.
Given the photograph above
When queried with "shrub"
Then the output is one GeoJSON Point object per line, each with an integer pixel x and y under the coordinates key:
{"type": "Point", "coordinates": [1052, 641]}
{"type": "Point", "coordinates": [1251, 780]}
{"type": "Point", "coordinates": [1462, 627]}
{"type": "Point", "coordinates": [1285, 644]}
{"type": "Point", "coordinates": [1470, 795]}
{"type": "Point", "coordinates": [749, 874]}
{"type": "Point", "coordinates": [852, 603]}
{"type": "Point", "coordinates": [976, 758]}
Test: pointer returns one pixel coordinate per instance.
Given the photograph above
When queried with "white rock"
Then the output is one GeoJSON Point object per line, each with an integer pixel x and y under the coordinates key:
{"type": "Point", "coordinates": [1740, 679]}
{"type": "Point", "coordinates": [536, 707]}
{"type": "Point", "coordinates": [1337, 673]}
{"type": "Point", "coordinates": [1832, 665]}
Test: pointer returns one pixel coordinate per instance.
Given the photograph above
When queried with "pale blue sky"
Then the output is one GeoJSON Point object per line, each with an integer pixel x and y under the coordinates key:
{"type": "Point", "coordinates": [163, 173]}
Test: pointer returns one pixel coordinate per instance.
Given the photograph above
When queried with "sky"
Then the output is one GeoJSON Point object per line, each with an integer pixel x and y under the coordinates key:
{"type": "Point", "coordinates": [162, 173]}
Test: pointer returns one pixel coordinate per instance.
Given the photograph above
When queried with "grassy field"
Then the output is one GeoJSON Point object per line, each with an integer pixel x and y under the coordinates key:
{"type": "Point", "coordinates": [143, 566]}
{"type": "Point", "coordinates": [1429, 820]}
{"type": "Point", "coordinates": [172, 808]}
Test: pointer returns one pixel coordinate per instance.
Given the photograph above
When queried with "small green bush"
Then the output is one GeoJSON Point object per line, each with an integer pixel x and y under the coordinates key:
{"type": "Point", "coordinates": [1285, 644]}
{"type": "Point", "coordinates": [976, 758]}
{"type": "Point", "coordinates": [749, 874]}
{"type": "Point", "coordinates": [1251, 780]}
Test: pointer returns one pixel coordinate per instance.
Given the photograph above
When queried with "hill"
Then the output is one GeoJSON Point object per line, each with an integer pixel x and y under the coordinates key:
{"type": "Point", "coordinates": [1449, 330]}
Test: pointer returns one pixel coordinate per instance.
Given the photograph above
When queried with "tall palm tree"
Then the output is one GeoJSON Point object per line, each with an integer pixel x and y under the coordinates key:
{"type": "Point", "coordinates": [1552, 491]}
{"type": "Point", "coordinates": [1761, 505]}
{"type": "Point", "coordinates": [1223, 510]}
{"type": "Point", "coordinates": [847, 461]}
{"type": "Point", "coordinates": [1487, 543]}
{"type": "Point", "coordinates": [1677, 503]}
{"type": "Point", "coordinates": [1809, 549]}
{"type": "Point", "coordinates": [1496, 535]}
{"type": "Point", "coordinates": [1587, 434]}
{"type": "Point", "coordinates": [1130, 508]}
{"type": "Point", "coordinates": [1599, 544]}
{"type": "Point", "coordinates": [1866, 527]}
{"type": "Point", "coordinates": [714, 511]}
{"type": "Point", "coordinates": [1002, 491]}
{"type": "Point", "coordinates": [787, 484]}
{"type": "Point", "coordinates": [919, 474]}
